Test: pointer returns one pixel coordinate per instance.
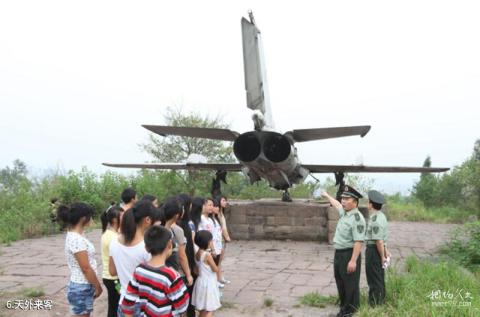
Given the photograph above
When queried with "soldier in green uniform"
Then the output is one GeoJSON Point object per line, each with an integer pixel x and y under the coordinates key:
{"type": "Point", "coordinates": [376, 254]}
{"type": "Point", "coordinates": [348, 240]}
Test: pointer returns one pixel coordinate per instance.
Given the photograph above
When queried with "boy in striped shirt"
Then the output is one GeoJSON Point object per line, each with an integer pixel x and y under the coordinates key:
{"type": "Point", "coordinates": [158, 289]}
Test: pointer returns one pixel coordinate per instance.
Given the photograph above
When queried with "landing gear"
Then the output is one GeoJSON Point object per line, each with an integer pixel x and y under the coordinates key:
{"type": "Point", "coordinates": [341, 184]}
{"type": "Point", "coordinates": [286, 196]}
{"type": "Point", "coordinates": [220, 176]}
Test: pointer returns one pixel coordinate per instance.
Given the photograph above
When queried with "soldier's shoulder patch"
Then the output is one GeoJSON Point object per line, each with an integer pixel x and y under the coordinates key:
{"type": "Point", "coordinates": [360, 228]}
{"type": "Point", "coordinates": [375, 229]}
{"type": "Point", "coordinates": [357, 217]}
{"type": "Point", "coordinates": [374, 218]}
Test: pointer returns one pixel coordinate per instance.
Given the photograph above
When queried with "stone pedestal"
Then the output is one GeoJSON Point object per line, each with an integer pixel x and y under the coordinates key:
{"type": "Point", "coordinates": [265, 219]}
{"type": "Point", "coordinates": [273, 219]}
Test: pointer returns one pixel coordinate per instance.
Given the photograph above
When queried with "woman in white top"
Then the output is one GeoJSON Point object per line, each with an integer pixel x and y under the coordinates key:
{"type": "Point", "coordinates": [129, 250]}
{"type": "Point", "coordinates": [84, 286]}
{"type": "Point", "coordinates": [206, 223]}
{"type": "Point", "coordinates": [217, 240]}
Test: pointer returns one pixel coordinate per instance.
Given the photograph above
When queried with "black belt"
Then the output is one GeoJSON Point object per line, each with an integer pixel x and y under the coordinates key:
{"type": "Point", "coordinates": [343, 250]}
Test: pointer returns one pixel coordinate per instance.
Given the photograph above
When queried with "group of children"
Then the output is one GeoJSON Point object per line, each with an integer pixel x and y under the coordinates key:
{"type": "Point", "coordinates": [158, 259]}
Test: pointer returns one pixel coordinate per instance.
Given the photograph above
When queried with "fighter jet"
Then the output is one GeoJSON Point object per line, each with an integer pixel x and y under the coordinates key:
{"type": "Point", "coordinates": [265, 153]}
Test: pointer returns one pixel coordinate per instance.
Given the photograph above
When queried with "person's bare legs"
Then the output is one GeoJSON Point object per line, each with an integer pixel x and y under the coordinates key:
{"type": "Point", "coordinates": [220, 260]}
{"type": "Point", "coordinates": [219, 273]}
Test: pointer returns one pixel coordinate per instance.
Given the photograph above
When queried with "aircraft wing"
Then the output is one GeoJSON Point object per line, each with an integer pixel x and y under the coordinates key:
{"type": "Point", "coordinates": [194, 132]}
{"type": "Point", "coordinates": [372, 169]}
{"type": "Point", "coordinates": [182, 166]}
{"type": "Point", "coordinates": [303, 135]}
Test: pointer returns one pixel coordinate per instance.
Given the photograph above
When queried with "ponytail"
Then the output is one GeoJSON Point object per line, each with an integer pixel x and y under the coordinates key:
{"type": "Point", "coordinates": [109, 215]}
{"type": "Point", "coordinates": [128, 227]}
{"type": "Point", "coordinates": [132, 218]}
{"type": "Point", "coordinates": [62, 214]}
{"type": "Point", "coordinates": [70, 215]}
{"type": "Point", "coordinates": [103, 219]}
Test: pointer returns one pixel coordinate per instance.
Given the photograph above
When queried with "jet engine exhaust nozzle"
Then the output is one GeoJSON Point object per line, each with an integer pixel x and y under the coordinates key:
{"type": "Point", "coordinates": [247, 147]}
{"type": "Point", "coordinates": [277, 148]}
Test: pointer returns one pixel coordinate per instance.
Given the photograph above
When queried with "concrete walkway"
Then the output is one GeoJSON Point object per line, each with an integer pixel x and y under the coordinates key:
{"type": "Point", "coordinates": [278, 270]}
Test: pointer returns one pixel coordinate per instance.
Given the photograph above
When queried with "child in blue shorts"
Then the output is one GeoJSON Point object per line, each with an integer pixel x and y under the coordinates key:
{"type": "Point", "coordinates": [84, 286]}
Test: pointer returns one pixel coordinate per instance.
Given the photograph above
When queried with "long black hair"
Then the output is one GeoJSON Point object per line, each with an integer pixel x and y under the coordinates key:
{"type": "Point", "coordinates": [110, 214]}
{"type": "Point", "coordinates": [70, 215]}
{"type": "Point", "coordinates": [222, 209]}
{"type": "Point", "coordinates": [186, 202]}
{"type": "Point", "coordinates": [132, 218]}
{"type": "Point", "coordinates": [196, 211]}
{"type": "Point", "coordinates": [214, 217]}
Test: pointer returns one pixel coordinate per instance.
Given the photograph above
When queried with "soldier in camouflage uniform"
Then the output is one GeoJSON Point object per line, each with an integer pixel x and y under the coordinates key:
{"type": "Point", "coordinates": [348, 241]}
{"type": "Point", "coordinates": [376, 253]}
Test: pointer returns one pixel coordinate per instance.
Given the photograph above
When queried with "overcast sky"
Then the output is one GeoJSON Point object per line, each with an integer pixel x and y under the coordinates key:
{"type": "Point", "coordinates": [77, 79]}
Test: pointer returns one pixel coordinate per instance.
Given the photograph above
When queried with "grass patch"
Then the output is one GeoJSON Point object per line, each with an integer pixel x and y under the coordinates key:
{"type": "Point", "coordinates": [34, 292]}
{"type": "Point", "coordinates": [464, 246]}
{"type": "Point", "coordinates": [314, 299]}
{"type": "Point", "coordinates": [417, 290]}
{"type": "Point", "coordinates": [267, 302]}
{"type": "Point", "coordinates": [415, 211]}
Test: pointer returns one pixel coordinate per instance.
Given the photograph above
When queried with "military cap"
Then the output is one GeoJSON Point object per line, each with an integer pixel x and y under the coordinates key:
{"type": "Point", "coordinates": [376, 197]}
{"type": "Point", "coordinates": [349, 191]}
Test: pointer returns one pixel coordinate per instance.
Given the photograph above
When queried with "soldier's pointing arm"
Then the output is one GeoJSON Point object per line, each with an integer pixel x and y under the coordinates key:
{"type": "Point", "coordinates": [335, 203]}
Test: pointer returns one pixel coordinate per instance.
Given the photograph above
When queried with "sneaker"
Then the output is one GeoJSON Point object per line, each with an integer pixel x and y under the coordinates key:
{"type": "Point", "coordinates": [220, 285]}
{"type": "Point", "coordinates": [225, 281]}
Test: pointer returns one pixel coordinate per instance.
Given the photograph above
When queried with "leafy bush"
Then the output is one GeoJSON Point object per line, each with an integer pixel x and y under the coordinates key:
{"type": "Point", "coordinates": [464, 246]}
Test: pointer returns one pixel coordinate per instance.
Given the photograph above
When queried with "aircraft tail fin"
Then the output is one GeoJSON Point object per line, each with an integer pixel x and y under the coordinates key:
{"type": "Point", "coordinates": [255, 75]}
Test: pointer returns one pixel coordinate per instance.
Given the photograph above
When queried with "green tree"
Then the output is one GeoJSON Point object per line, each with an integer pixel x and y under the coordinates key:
{"type": "Point", "coordinates": [425, 188]}
{"type": "Point", "coordinates": [471, 176]}
{"type": "Point", "coordinates": [178, 148]}
{"type": "Point", "coordinates": [476, 151]}
{"type": "Point", "coordinates": [11, 177]}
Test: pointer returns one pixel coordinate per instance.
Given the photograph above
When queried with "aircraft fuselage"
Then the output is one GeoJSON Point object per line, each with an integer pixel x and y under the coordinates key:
{"type": "Point", "coordinates": [269, 155]}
